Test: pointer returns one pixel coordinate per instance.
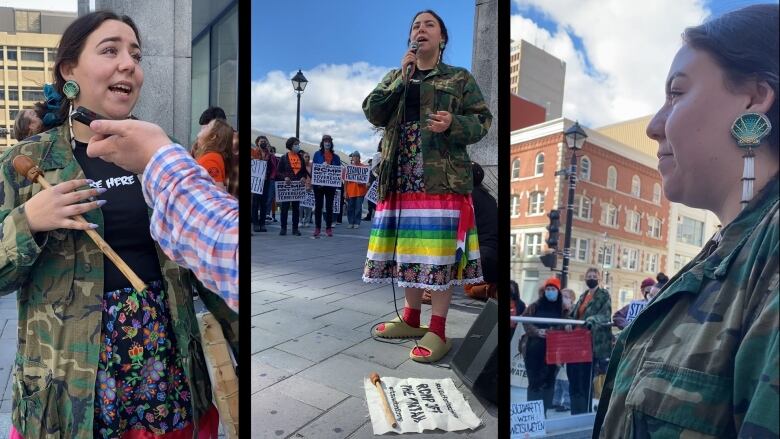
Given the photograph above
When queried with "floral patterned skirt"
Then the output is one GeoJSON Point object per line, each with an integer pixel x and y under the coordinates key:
{"type": "Point", "coordinates": [141, 384]}
{"type": "Point", "coordinates": [422, 240]}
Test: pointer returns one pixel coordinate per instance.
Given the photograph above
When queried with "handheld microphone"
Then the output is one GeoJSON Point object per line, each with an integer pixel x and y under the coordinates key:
{"type": "Point", "coordinates": [413, 48]}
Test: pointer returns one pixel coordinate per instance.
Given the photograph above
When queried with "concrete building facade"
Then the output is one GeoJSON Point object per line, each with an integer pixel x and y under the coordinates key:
{"type": "Point", "coordinates": [538, 77]}
{"type": "Point", "coordinates": [621, 219]}
{"type": "Point", "coordinates": [28, 46]}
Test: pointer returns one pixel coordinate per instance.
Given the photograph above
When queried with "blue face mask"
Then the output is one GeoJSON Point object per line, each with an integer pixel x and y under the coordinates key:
{"type": "Point", "coordinates": [296, 148]}
{"type": "Point", "coordinates": [551, 295]}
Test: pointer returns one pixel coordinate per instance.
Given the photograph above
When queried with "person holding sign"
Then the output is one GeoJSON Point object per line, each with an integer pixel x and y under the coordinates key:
{"type": "Point", "coordinates": [623, 316]}
{"type": "Point", "coordinates": [355, 191]}
{"type": "Point", "coordinates": [291, 168]}
{"type": "Point", "coordinates": [322, 193]}
{"type": "Point", "coordinates": [306, 210]}
{"type": "Point", "coordinates": [701, 360]}
{"type": "Point", "coordinates": [541, 376]}
{"type": "Point", "coordinates": [423, 236]}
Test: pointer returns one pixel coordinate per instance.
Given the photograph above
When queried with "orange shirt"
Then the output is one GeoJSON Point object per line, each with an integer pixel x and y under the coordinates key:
{"type": "Point", "coordinates": [328, 156]}
{"type": "Point", "coordinates": [255, 154]}
{"type": "Point", "coordinates": [584, 304]}
{"type": "Point", "coordinates": [354, 189]}
{"type": "Point", "coordinates": [214, 165]}
{"type": "Point", "coordinates": [295, 162]}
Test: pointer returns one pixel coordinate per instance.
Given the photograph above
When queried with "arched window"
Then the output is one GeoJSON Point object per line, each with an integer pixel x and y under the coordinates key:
{"type": "Point", "coordinates": [516, 169]}
{"type": "Point", "coordinates": [585, 169]}
{"type": "Point", "coordinates": [536, 203]}
{"type": "Point", "coordinates": [612, 177]}
{"type": "Point", "coordinates": [582, 207]}
{"type": "Point", "coordinates": [656, 193]}
{"type": "Point", "coordinates": [636, 186]}
{"type": "Point", "coordinates": [515, 205]}
{"type": "Point", "coordinates": [609, 215]}
{"type": "Point", "coordinates": [539, 168]}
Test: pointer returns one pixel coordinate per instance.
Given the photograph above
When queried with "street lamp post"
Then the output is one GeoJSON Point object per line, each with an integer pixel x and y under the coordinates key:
{"type": "Point", "coordinates": [299, 84]}
{"type": "Point", "coordinates": [575, 138]}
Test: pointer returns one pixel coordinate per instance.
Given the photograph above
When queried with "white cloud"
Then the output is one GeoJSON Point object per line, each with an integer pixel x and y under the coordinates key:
{"type": "Point", "coordinates": [43, 5]}
{"type": "Point", "coordinates": [629, 44]}
{"type": "Point", "coordinates": [331, 103]}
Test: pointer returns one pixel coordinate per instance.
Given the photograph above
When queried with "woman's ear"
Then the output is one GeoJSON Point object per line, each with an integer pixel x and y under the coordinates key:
{"type": "Point", "coordinates": [762, 97]}
{"type": "Point", "coordinates": [66, 70]}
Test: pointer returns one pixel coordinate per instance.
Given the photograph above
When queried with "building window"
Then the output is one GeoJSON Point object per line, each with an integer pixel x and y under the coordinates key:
{"type": "Point", "coordinates": [680, 261]}
{"type": "Point", "coordinates": [32, 94]}
{"type": "Point", "coordinates": [609, 215]}
{"type": "Point", "coordinates": [612, 177]}
{"type": "Point", "coordinates": [515, 205]}
{"type": "Point", "coordinates": [11, 53]}
{"type": "Point", "coordinates": [28, 21]}
{"type": "Point", "coordinates": [690, 231]}
{"type": "Point", "coordinates": [513, 245]}
{"type": "Point", "coordinates": [533, 244]}
{"type": "Point", "coordinates": [13, 110]}
{"type": "Point", "coordinates": [581, 249]}
{"type": "Point", "coordinates": [652, 263]}
{"type": "Point", "coordinates": [633, 220]}
{"type": "Point", "coordinates": [605, 255]}
{"type": "Point", "coordinates": [582, 207]}
{"type": "Point", "coordinates": [636, 186]}
{"type": "Point", "coordinates": [32, 54]}
{"type": "Point", "coordinates": [516, 169]}
{"type": "Point", "coordinates": [536, 203]}
{"type": "Point", "coordinates": [13, 94]}
{"type": "Point", "coordinates": [657, 193]}
{"type": "Point", "coordinates": [655, 227]}
{"type": "Point", "coordinates": [585, 169]}
{"type": "Point", "coordinates": [530, 286]}
{"type": "Point", "coordinates": [630, 259]}
{"type": "Point", "coordinates": [539, 169]}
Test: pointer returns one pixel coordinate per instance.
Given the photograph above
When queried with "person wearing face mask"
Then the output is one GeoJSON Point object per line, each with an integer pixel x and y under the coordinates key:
{"type": "Point", "coordinates": [701, 360]}
{"type": "Point", "coordinates": [291, 168]}
{"type": "Point", "coordinates": [355, 193]}
{"type": "Point", "coordinates": [323, 195]}
{"type": "Point", "coordinates": [620, 318]}
{"type": "Point", "coordinates": [541, 376]}
{"type": "Point", "coordinates": [595, 307]}
{"type": "Point", "coordinates": [561, 400]}
{"type": "Point", "coordinates": [306, 211]}
{"type": "Point", "coordinates": [260, 201]}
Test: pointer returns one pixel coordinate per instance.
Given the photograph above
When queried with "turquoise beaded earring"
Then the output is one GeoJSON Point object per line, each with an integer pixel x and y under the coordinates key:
{"type": "Point", "coordinates": [71, 90]}
{"type": "Point", "coordinates": [749, 129]}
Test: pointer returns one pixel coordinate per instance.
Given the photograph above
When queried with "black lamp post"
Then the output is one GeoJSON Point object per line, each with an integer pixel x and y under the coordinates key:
{"type": "Point", "coordinates": [299, 84]}
{"type": "Point", "coordinates": [575, 138]}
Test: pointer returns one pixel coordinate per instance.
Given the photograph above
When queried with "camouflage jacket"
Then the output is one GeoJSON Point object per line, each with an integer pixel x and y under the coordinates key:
{"type": "Point", "coordinates": [701, 360]}
{"type": "Point", "coordinates": [59, 278]}
{"type": "Point", "coordinates": [446, 163]}
{"type": "Point", "coordinates": [598, 313]}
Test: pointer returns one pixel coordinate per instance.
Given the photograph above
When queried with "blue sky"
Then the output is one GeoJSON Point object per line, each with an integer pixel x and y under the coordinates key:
{"type": "Point", "coordinates": [617, 57]}
{"type": "Point", "coordinates": [344, 48]}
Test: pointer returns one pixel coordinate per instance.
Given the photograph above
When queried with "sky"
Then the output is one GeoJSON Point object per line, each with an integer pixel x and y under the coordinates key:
{"type": "Point", "coordinates": [45, 5]}
{"type": "Point", "coordinates": [617, 52]}
{"type": "Point", "coordinates": [344, 48]}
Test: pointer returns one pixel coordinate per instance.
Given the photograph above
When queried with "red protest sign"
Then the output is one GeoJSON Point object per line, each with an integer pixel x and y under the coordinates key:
{"type": "Point", "coordinates": [569, 347]}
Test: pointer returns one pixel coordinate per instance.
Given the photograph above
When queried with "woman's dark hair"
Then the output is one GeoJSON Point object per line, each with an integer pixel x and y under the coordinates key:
{"type": "Point", "coordinates": [72, 44]}
{"type": "Point", "coordinates": [291, 141]}
{"type": "Point", "coordinates": [22, 125]}
{"type": "Point", "coordinates": [744, 43]}
{"type": "Point", "coordinates": [210, 114]}
{"type": "Point", "coordinates": [444, 35]}
{"type": "Point", "coordinates": [322, 142]}
{"type": "Point", "coordinates": [257, 140]}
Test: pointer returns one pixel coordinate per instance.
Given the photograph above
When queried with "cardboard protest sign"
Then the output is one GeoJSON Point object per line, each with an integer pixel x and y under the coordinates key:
{"type": "Point", "coordinates": [323, 174]}
{"type": "Point", "coordinates": [634, 308]}
{"type": "Point", "coordinates": [308, 199]}
{"type": "Point", "coordinates": [292, 191]}
{"type": "Point", "coordinates": [258, 176]}
{"type": "Point", "coordinates": [337, 201]}
{"type": "Point", "coordinates": [358, 174]}
{"type": "Point", "coordinates": [419, 405]}
{"type": "Point", "coordinates": [517, 373]}
{"type": "Point", "coordinates": [372, 194]}
{"type": "Point", "coordinates": [526, 419]}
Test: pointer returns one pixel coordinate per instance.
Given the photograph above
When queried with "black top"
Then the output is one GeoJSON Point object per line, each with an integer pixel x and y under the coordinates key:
{"type": "Point", "coordinates": [412, 110]}
{"type": "Point", "coordinates": [486, 215]}
{"type": "Point", "coordinates": [125, 219]}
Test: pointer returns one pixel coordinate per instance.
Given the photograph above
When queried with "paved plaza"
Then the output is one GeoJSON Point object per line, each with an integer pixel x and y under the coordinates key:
{"type": "Point", "coordinates": [8, 324]}
{"type": "Point", "coordinates": [311, 343]}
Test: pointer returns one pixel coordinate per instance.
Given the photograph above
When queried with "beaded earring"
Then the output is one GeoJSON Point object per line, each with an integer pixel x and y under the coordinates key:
{"type": "Point", "coordinates": [749, 129]}
{"type": "Point", "coordinates": [71, 90]}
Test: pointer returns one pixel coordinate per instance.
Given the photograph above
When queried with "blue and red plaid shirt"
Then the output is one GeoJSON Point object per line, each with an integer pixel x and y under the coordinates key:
{"type": "Point", "coordinates": [194, 221]}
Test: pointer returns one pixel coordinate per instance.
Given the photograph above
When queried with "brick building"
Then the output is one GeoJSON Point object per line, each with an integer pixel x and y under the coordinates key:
{"type": "Point", "coordinates": [620, 215]}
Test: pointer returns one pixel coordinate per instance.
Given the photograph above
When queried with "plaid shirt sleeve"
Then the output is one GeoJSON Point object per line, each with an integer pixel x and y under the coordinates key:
{"type": "Point", "coordinates": [194, 222]}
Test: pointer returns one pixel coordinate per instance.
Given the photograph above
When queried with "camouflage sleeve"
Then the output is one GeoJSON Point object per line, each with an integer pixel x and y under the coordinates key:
{"type": "Point", "coordinates": [603, 312]}
{"type": "Point", "coordinates": [18, 249]}
{"type": "Point", "coordinates": [382, 103]}
{"type": "Point", "coordinates": [474, 119]}
{"type": "Point", "coordinates": [756, 380]}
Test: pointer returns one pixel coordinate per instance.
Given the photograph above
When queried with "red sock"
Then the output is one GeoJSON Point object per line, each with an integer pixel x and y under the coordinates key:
{"type": "Point", "coordinates": [412, 317]}
{"type": "Point", "coordinates": [437, 326]}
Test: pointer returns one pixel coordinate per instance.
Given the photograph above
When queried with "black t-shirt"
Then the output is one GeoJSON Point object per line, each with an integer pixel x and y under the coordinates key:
{"type": "Point", "coordinates": [412, 110]}
{"type": "Point", "coordinates": [125, 219]}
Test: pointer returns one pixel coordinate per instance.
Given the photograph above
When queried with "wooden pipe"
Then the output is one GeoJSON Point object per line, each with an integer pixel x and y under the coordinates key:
{"type": "Point", "coordinates": [26, 167]}
{"type": "Point", "coordinates": [377, 382]}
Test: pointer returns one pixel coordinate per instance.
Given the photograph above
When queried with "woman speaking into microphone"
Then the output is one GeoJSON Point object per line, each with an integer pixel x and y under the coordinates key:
{"type": "Point", "coordinates": [423, 236]}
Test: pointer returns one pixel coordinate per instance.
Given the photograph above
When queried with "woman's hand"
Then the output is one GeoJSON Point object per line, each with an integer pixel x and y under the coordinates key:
{"type": "Point", "coordinates": [54, 208]}
{"type": "Point", "coordinates": [409, 59]}
{"type": "Point", "coordinates": [542, 333]}
{"type": "Point", "coordinates": [440, 121]}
